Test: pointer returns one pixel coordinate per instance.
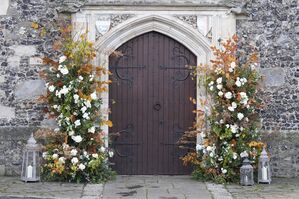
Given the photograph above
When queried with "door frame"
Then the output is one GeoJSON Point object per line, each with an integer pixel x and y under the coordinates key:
{"type": "Point", "coordinates": [163, 23]}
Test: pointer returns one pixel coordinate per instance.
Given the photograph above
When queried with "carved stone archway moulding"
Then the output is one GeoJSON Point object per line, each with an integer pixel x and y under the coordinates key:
{"type": "Point", "coordinates": [197, 30]}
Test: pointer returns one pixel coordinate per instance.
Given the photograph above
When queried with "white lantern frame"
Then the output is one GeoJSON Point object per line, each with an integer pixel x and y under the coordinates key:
{"type": "Point", "coordinates": [246, 173]}
{"type": "Point", "coordinates": [264, 172]}
{"type": "Point", "coordinates": [31, 161]}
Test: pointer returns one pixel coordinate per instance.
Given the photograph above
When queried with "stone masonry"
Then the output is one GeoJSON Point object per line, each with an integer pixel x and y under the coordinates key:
{"type": "Point", "coordinates": [269, 26]}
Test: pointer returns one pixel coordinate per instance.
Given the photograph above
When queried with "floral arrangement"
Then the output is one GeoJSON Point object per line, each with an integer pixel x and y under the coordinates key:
{"type": "Point", "coordinates": [227, 125]}
{"type": "Point", "coordinates": [74, 87]}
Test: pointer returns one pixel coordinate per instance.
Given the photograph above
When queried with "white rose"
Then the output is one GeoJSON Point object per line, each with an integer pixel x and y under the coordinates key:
{"type": "Point", "coordinates": [51, 88]}
{"type": "Point", "coordinates": [211, 154]}
{"type": "Point", "coordinates": [63, 69]}
{"type": "Point", "coordinates": [87, 104]}
{"type": "Point", "coordinates": [111, 154]}
{"type": "Point", "coordinates": [55, 156]}
{"type": "Point", "coordinates": [233, 65]}
{"type": "Point", "coordinates": [80, 78]}
{"type": "Point", "coordinates": [76, 98]}
{"type": "Point", "coordinates": [220, 93]}
{"type": "Point", "coordinates": [219, 80]}
{"type": "Point", "coordinates": [235, 156]}
{"type": "Point", "coordinates": [209, 148]}
{"type": "Point", "coordinates": [77, 123]}
{"type": "Point", "coordinates": [102, 149]}
{"type": "Point", "coordinates": [64, 90]}
{"type": "Point", "coordinates": [211, 88]}
{"type": "Point", "coordinates": [77, 138]}
{"type": "Point", "coordinates": [228, 95]}
{"type": "Point", "coordinates": [86, 116]}
{"type": "Point", "coordinates": [238, 83]}
{"type": "Point", "coordinates": [95, 155]}
{"type": "Point", "coordinates": [234, 128]}
{"type": "Point", "coordinates": [92, 129]}
{"type": "Point", "coordinates": [219, 86]}
{"type": "Point", "coordinates": [94, 96]}
{"type": "Point", "coordinates": [82, 167]}
{"type": "Point", "coordinates": [61, 160]}
{"type": "Point", "coordinates": [224, 171]}
{"type": "Point", "coordinates": [240, 116]}
{"type": "Point", "coordinates": [62, 59]}
{"type": "Point", "coordinates": [71, 133]}
{"type": "Point", "coordinates": [74, 152]}
{"type": "Point", "coordinates": [231, 70]}
{"type": "Point", "coordinates": [230, 108]}
{"type": "Point", "coordinates": [211, 83]}
{"type": "Point", "coordinates": [234, 104]}
{"type": "Point", "coordinates": [74, 160]}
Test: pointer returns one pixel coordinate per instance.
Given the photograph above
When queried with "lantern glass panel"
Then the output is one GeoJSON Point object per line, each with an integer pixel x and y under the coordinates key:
{"type": "Point", "coordinates": [246, 174]}
{"type": "Point", "coordinates": [264, 174]}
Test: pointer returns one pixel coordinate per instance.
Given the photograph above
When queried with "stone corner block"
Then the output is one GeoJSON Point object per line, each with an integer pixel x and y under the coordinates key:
{"type": "Point", "coordinates": [23, 50]}
{"type": "Point", "coordinates": [273, 76]}
{"type": "Point", "coordinates": [7, 112]}
{"type": "Point", "coordinates": [4, 7]}
{"type": "Point", "coordinates": [30, 89]}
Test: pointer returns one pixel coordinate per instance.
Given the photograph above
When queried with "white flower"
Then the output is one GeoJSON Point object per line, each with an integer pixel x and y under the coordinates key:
{"type": "Point", "coordinates": [83, 109]}
{"type": "Point", "coordinates": [64, 90]}
{"type": "Point", "coordinates": [238, 83]}
{"type": "Point", "coordinates": [235, 156]}
{"type": "Point", "coordinates": [221, 121]}
{"type": "Point", "coordinates": [85, 153]}
{"type": "Point", "coordinates": [94, 96]}
{"type": "Point", "coordinates": [234, 128]}
{"type": "Point", "coordinates": [111, 154]}
{"type": "Point", "coordinates": [92, 129]}
{"type": "Point", "coordinates": [74, 152]}
{"type": "Point", "coordinates": [252, 66]}
{"type": "Point", "coordinates": [243, 80]}
{"type": "Point", "coordinates": [209, 148]}
{"type": "Point", "coordinates": [211, 88]}
{"type": "Point", "coordinates": [227, 126]}
{"type": "Point", "coordinates": [211, 83]}
{"type": "Point", "coordinates": [228, 95]}
{"type": "Point", "coordinates": [55, 156]}
{"type": "Point", "coordinates": [233, 64]}
{"type": "Point", "coordinates": [234, 104]}
{"type": "Point", "coordinates": [61, 160]}
{"type": "Point", "coordinates": [77, 138]}
{"type": "Point", "coordinates": [240, 116]}
{"type": "Point", "coordinates": [77, 123]}
{"type": "Point", "coordinates": [244, 154]}
{"type": "Point", "coordinates": [224, 171]}
{"type": "Point", "coordinates": [74, 160]}
{"type": "Point", "coordinates": [45, 155]}
{"type": "Point", "coordinates": [211, 154]}
{"type": "Point", "coordinates": [220, 93]}
{"type": "Point", "coordinates": [76, 98]}
{"type": "Point", "coordinates": [230, 108]}
{"type": "Point", "coordinates": [51, 88]}
{"type": "Point", "coordinates": [80, 78]}
{"type": "Point", "coordinates": [71, 133]}
{"type": "Point", "coordinates": [87, 104]}
{"type": "Point", "coordinates": [102, 149]}
{"type": "Point", "coordinates": [219, 86]}
{"type": "Point", "coordinates": [95, 155]}
{"type": "Point", "coordinates": [86, 116]}
{"type": "Point", "coordinates": [219, 80]}
{"type": "Point", "coordinates": [58, 75]}
{"type": "Point", "coordinates": [62, 59]}
{"type": "Point", "coordinates": [63, 69]}
{"type": "Point", "coordinates": [244, 98]}
{"type": "Point", "coordinates": [82, 167]}
{"type": "Point", "coordinates": [199, 147]}
{"type": "Point", "coordinates": [231, 70]}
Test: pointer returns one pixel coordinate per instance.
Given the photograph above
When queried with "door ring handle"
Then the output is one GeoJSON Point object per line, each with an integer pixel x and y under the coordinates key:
{"type": "Point", "coordinates": [157, 106]}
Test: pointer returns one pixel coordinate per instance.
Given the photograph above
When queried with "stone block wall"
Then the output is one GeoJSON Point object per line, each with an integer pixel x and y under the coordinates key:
{"type": "Point", "coordinates": [270, 25]}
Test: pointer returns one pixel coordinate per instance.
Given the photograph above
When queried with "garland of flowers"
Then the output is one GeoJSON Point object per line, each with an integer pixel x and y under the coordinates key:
{"type": "Point", "coordinates": [74, 87]}
{"type": "Point", "coordinates": [231, 133]}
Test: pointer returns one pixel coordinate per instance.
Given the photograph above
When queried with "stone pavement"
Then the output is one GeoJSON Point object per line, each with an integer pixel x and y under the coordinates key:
{"type": "Point", "coordinates": [148, 187]}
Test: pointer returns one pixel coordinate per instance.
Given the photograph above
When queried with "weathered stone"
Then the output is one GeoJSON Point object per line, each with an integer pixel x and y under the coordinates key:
{"type": "Point", "coordinates": [35, 61]}
{"type": "Point", "coordinates": [7, 112]}
{"type": "Point", "coordinates": [30, 89]}
{"type": "Point", "coordinates": [4, 7]}
{"type": "Point", "coordinates": [273, 76]}
{"type": "Point", "coordinates": [2, 170]}
{"type": "Point", "coordinates": [22, 50]}
{"type": "Point", "coordinates": [13, 61]}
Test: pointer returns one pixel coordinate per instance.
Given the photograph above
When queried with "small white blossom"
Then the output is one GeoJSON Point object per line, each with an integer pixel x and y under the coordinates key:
{"type": "Point", "coordinates": [234, 128]}
{"type": "Point", "coordinates": [230, 108]}
{"type": "Point", "coordinates": [238, 83]}
{"type": "Point", "coordinates": [211, 83]}
{"type": "Point", "coordinates": [224, 171]}
{"type": "Point", "coordinates": [77, 123]}
{"type": "Point", "coordinates": [94, 96]}
{"type": "Point", "coordinates": [111, 154]}
{"type": "Point", "coordinates": [211, 154]}
{"type": "Point", "coordinates": [74, 152]}
{"type": "Point", "coordinates": [95, 155]}
{"type": "Point", "coordinates": [219, 86]}
{"type": "Point", "coordinates": [199, 147]}
{"type": "Point", "coordinates": [220, 93]}
{"type": "Point", "coordinates": [219, 80]}
{"type": "Point", "coordinates": [80, 78]}
{"type": "Point", "coordinates": [61, 160]}
{"type": "Point", "coordinates": [55, 156]}
{"type": "Point", "coordinates": [234, 104]}
{"type": "Point", "coordinates": [221, 121]}
{"type": "Point", "coordinates": [102, 149]}
{"type": "Point", "coordinates": [86, 116]}
{"type": "Point", "coordinates": [64, 90]}
{"type": "Point", "coordinates": [228, 95]}
{"type": "Point", "coordinates": [235, 156]}
{"type": "Point", "coordinates": [51, 88]}
{"type": "Point", "coordinates": [233, 65]}
{"type": "Point", "coordinates": [45, 155]}
{"type": "Point", "coordinates": [211, 88]}
{"type": "Point", "coordinates": [71, 133]}
{"type": "Point", "coordinates": [57, 75]}
{"type": "Point", "coordinates": [240, 116]}
{"type": "Point", "coordinates": [209, 148]}
{"type": "Point", "coordinates": [92, 129]}
{"type": "Point", "coordinates": [76, 98]}
{"type": "Point", "coordinates": [62, 59]}
{"type": "Point", "coordinates": [83, 109]}
{"type": "Point", "coordinates": [74, 160]}
{"type": "Point", "coordinates": [82, 167]}
{"type": "Point", "coordinates": [87, 104]}
{"type": "Point", "coordinates": [77, 138]}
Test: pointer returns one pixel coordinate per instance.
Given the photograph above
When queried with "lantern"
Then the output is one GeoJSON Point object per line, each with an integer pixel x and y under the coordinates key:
{"type": "Point", "coordinates": [31, 162]}
{"type": "Point", "coordinates": [246, 173]}
{"type": "Point", "coordinates": [264, 175]}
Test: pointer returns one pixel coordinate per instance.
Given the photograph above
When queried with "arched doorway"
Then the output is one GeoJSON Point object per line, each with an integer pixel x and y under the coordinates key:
{"type": "Point", "coordinates": [151, 89]}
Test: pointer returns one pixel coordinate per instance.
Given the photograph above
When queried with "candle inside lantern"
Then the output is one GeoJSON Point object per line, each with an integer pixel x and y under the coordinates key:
{"type": "Point", "coordinates": [264, 173]}
{"type": "Point", "coordinates": [246, 179]}
{"type": "Point", "coordinates": [29, 171]}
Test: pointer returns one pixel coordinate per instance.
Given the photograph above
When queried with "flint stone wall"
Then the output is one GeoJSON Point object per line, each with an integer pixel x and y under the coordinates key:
{"type": "Point", "coordinates": [270, 25]}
